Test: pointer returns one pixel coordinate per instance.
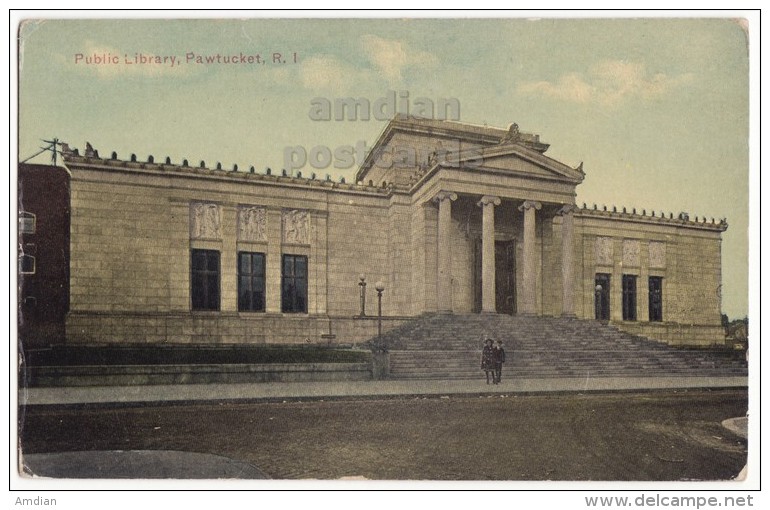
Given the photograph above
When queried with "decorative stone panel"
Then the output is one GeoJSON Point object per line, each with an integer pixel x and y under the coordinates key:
{"type": "Point", "coordinates": [657, 254]}
{"type": "Point", "coordinates": [295, 226]}
{"type": "Point", "coordinates": [252, 224]}
{"type": "Point", "coordinates": [205, 221]}
{"type": "Point", "coordinates": [604, 251]}
{"type": "Point", "coordinates": [631, 253]}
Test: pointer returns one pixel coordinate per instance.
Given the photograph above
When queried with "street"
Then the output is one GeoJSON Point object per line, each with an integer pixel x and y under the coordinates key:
{"type": "Point", "coordinates": [662, 435]}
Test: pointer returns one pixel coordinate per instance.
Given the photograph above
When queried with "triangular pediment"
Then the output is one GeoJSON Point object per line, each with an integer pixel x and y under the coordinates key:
{"type": "Point", "coordinates": [523, 162]}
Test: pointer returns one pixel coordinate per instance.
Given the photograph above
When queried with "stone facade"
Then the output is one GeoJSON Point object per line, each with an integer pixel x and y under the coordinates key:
{"type": "Point", "coordinates": [480, 220]}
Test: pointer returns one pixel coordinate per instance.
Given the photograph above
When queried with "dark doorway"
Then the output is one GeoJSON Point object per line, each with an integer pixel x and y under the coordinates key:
{"type": "Point", "coordinates": [602, 297]}
{"type": "Point", "coordinates": [505, 276]}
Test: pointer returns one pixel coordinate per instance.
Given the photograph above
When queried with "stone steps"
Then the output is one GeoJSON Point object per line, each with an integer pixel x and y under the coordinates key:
{"type": "Point", "coordinates": [449, 347]}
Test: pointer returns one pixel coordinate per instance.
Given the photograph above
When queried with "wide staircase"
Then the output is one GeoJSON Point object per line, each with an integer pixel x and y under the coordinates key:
{"type": "Point", "coordinates": [448, 346]}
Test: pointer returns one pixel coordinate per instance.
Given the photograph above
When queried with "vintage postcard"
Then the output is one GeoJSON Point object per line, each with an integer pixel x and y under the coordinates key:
{"type": "Point", "coordinates": [367, 249]}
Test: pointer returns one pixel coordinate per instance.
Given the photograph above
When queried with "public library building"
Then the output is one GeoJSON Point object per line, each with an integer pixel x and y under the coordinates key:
{"type": "Point", "coordinates": [181, 253]}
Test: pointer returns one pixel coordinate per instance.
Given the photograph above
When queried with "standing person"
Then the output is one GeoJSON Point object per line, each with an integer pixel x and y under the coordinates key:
{"type": "Point", "coordinates": [487, 361]}
{"type": "Point", "coordinates": [498, 356]}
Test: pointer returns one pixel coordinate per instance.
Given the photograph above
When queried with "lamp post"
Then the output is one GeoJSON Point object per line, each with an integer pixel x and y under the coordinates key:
{"type": "Point", "coordinates": [362, 286]}
{"type": "Point", "coordinates": [379, 287]}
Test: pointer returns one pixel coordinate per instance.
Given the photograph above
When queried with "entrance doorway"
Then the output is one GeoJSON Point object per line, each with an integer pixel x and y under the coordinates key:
{"type": "Point", "coordinates": [505, 276]}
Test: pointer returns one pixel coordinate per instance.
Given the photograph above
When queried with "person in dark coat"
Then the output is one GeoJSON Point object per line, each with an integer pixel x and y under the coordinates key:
{"type": "Point", "coordinates": [498, 357]}
{"type": "Point", "coordinates": [487, 362]}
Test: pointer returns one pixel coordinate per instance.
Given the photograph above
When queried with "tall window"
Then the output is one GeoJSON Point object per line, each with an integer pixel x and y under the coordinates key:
{"type": "Point", "coordinates": [251, 282]}
{"type": "Point", "coordinates": [204, 279]}
{"type": "Point", "coordinates": [656, 298]}
{"type": "Point", "coordinates": [629, 297]}
{"type": "Point", "coordinates": [294, 284]}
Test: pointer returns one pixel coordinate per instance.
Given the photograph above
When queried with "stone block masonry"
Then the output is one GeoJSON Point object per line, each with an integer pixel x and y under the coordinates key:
{"type": "Point", "coordinates": [156, 248]}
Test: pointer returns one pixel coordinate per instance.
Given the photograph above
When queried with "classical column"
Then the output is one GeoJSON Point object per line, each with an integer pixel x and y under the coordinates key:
{"type": "Point", "coordinates": [488, 203]}
{"type": "Point", "coordinates": [444, 281]}
{"type": "Point", "coordinates": [528, 294]}
{"type": "Point", "coordinates": [567, 260]}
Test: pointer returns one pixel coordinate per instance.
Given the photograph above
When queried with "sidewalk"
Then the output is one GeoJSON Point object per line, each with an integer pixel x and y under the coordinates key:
{"type": "Point", "coordinates": [356, 389]}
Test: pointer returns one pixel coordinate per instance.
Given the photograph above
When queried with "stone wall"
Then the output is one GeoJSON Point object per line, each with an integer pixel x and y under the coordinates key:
{"type": "Point", "coordinates": [132, 234]}
{"type": "Point", "coordinates": [133, 227]}
{"type": "Point", "coordinates": [358, 244]}
{"type": "Point", "coordinates": [397, 299]}
{"type": "Point", "coordinates": [686, 255]}
{"type": "Point", "coordinates": [110, 328]}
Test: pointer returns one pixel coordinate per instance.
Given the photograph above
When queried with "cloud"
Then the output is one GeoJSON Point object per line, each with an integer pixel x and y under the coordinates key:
{"type": "Point", "coordinates": [388, 60]}
{"type": "Point", "coordinates": [391, 57]}
{"type": "Point", "coordinates": [322, 71]}
{"type": "Point", "coordinates": [328, 74]}
{"type": "Point", "coordinates": [608, 83]}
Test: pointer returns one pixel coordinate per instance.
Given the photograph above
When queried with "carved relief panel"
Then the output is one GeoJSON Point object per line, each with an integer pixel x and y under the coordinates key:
{"type": "Point", "coordinates": [631, 253]}
{"type": "Point", "coordinates": [604, 251]}
{"type": "Point", "coordinates": [252, 224]}
{"type": "Point", "coordinates": [296, 224]}
{"type": "Point", "coordinates": [657, 254]}
{"type": "Point", "coordinates": [205, 221]}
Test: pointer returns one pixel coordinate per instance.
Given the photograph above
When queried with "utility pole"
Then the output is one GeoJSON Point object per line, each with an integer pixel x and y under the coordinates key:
{"type": "Point", "coordinates": [53, 147]}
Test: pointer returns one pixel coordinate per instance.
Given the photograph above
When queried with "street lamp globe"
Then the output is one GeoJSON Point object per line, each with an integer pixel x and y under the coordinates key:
{"type": "Point", "coordinates": [379, 286]}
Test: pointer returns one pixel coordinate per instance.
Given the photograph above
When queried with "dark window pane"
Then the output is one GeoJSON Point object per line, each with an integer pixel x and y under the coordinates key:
{"type": "Point", "coordinates": [258, 264]}
{"type": "Point", "coordinates": [629, 297]}
{"type": "Point", "coordinates": [213, 261]}
{"type": "Point", "coordinates": [245, 263]}
{"type": "Point", "coordinates": [251, 282]}
{"type": "Point", "coordinates": [258, 300]}
{"type": "Point", "coordinates": [287, 296]}
{"type": "Point", "coordinates": [301, 299]}
{"type": "Point", "coordinates": [656, 298]}
{"type": "Point", "coordinates": [243, 300]}
{"type": "Point", "coordinates": [294, 284]}
{"type": "Point", "coordinates": [300, 267]}
{"type": "Point", "coordinates": [198, 260]}
{"type": "Point", "coordinates": [198, 292]}
{"type": "Point", "coordinates": [213, 292]}
{"type": "Point", "coordinates": [204, 280]}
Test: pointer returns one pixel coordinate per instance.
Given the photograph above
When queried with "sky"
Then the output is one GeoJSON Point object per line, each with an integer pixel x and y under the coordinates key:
{"type": "Point", "coordinates": [657, 109]}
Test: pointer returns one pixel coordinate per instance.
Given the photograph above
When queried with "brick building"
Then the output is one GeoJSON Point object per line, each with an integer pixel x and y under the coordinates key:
{"type": "Point", "coordinates": [43, 254]}
{"type": "Point", "coordinates": [450, 217]}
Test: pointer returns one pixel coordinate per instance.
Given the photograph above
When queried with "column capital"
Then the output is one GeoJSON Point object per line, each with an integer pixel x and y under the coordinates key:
{"type": "Point", "coordinates": [530, 204]}
{"type": "Point", "coordinates": [489, 199]}
{"type": "Point", "coordinates": [444, 195]}
{"type": "Point", "coordinates": [566, 209]}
